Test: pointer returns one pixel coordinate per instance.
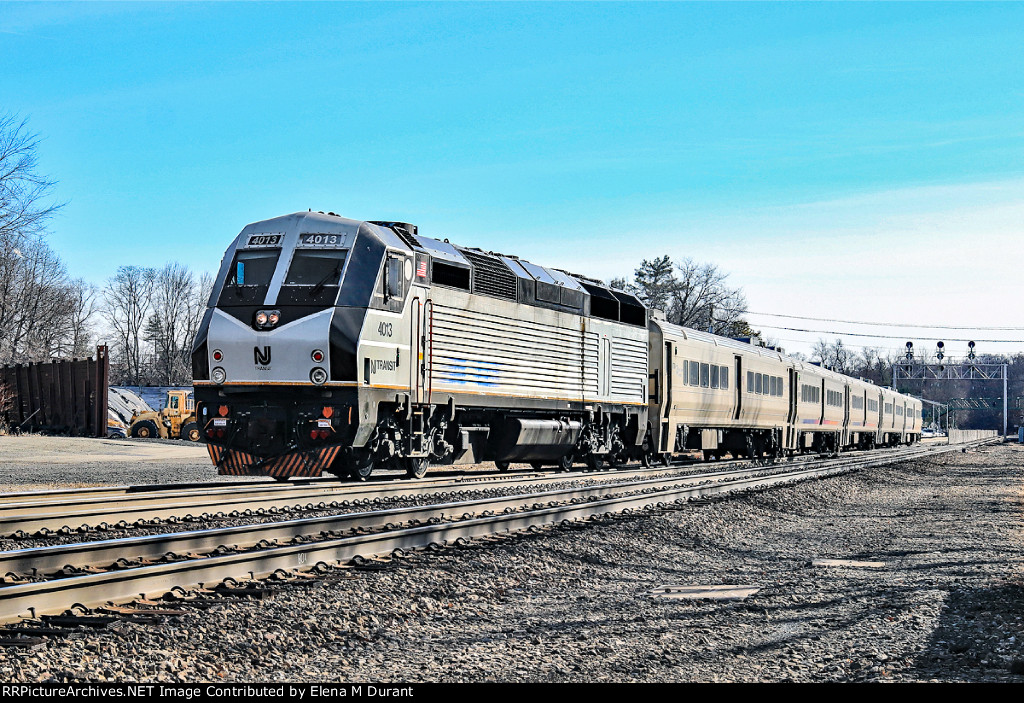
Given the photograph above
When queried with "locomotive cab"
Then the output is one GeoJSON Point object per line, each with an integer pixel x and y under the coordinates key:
{"type": "Point", "coordinates": [275, 362]}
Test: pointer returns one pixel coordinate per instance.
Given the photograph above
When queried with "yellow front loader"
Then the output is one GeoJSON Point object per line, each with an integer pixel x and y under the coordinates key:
{"type": "Point", "coordinates": [176, 420]}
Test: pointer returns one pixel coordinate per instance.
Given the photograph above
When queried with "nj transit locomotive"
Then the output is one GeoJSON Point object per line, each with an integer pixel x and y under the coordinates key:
{"type": "Point", "coordinates": [337, 345]}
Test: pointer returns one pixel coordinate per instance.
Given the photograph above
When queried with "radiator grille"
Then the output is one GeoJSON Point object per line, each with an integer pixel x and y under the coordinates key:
{"type": "Point", "coordinates": [492, 276]}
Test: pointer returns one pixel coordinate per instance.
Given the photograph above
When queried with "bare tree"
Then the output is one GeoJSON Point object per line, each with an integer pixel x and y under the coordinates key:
{"type": "Point", "coordinates": [692, 294]}
{"type": "Point", "coordinates": [85, 306]}
{"type": "Point", "coordinates": [37, 299]}
{"type": "Point", "coordinates": [128, 298]}
{"type": "Point", "coordinates": [38, 304]}
{"type": "Point", "coordinates": [834, 356]}
{"type": "Point", "coordinates": [23, 212]}
{"type": "Point", "coordinates": [179, 301]}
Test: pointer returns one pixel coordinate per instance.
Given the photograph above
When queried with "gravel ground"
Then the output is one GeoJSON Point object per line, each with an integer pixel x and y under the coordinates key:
{"type": "Point", "coordinates": [38, 462]}
{"type": "Point", "coordinates": [572, 604]}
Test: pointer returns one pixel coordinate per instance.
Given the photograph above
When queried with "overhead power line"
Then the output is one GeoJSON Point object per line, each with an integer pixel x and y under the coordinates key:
{"type": "Point", "coordinates": [882, 324]}
{"type": "Point", "coordinates": [887, 336]}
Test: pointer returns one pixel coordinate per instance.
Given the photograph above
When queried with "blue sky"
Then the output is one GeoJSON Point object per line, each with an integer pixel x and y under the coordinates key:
{"type": "Point", "coordinates": [851, 161]}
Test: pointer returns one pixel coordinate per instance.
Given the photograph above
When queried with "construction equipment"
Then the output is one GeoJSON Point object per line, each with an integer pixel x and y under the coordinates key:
{"type": "Point", "coordinates": [176, 420]}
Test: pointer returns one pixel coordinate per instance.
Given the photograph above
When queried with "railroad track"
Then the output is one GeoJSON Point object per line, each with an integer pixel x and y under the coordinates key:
{"type": "Point", "coordinates": [66, 512]}
{"type": "Point", "coordinates": [51, 579]}
{"type": "Point", "coordinates": [121, 507]}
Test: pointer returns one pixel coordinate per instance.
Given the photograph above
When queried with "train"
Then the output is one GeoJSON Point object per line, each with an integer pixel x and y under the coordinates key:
{"type": "Point", "coordinates": [340, 346]}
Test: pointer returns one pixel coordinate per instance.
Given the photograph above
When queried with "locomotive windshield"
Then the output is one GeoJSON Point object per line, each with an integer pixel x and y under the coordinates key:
{"type": "Point", "coordinates": [313, 277]}
{"type": "Point", "coordinates": [313, 267]}
{"type": "Point", "coordinates": [249, 276]}
{"type": "Point", "coordinates": [253, 267]}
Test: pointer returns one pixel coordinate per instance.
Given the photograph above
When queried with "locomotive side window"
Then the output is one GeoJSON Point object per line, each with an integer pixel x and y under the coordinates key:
{"type": "Point", "coordinates": [694, 373]}
{"type": "Point", "coordinates": [394, 284]}
{"type": "Point", "coordinates": [750, 381]}
{"type": "Point", "coordinates": [724, 377]}
{"type": "Point", "coordinates": [705, 375]}
{"type": "Point", "coordinates": [759, 383]}
{"type": "Point", "coordinates": [714, 376]}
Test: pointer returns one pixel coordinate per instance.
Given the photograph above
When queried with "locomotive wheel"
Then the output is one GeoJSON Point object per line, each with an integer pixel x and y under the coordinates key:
{"type": "Point", "coordinates": [416, 467]}
{"type": "Point", "coordinates": [145, 429]}
{"type": "Point", "coordinates": [190, 432]}
{"type": "Point", "coordinates": [593, 462]}
{"type": "Point", "coordinates": [360, 466]}
{"type": "Point", "coordinates": [565, 463]}
{"type": "Point", "coordinates": [502, 465]}
{"type": "Point", "coordinates": [537, 465]}
{"type": "Point", "coordinates": [666, 460]}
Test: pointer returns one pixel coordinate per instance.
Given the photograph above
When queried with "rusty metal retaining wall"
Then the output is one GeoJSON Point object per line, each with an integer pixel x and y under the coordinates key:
{"type": "Point", "coordinates": [59, 396]}
{"type": "Point", "coordinates": [961, 436]}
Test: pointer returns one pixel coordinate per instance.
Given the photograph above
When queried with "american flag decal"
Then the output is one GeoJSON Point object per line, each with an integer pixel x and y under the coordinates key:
{"type": "Point", "coordinates": [421, 269]}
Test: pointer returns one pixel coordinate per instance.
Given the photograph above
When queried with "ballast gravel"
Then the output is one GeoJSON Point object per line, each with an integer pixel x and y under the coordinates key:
{"type": "Point", "coordinates": [574, 603]}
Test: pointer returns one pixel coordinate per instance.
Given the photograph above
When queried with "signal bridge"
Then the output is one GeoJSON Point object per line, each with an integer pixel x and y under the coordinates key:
{"type": "Point", "coordinates": [943, 369]}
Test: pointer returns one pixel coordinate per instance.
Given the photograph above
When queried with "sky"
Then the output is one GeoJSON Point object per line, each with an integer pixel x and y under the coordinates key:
{"type": "Point", "coordinates": [853, 162]}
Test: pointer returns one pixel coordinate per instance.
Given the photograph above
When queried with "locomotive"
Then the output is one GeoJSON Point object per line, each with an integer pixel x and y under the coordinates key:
{"type": "Point", "coordinates": [341, 346]}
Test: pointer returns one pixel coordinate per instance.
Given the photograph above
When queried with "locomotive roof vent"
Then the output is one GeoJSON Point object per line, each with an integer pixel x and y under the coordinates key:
{"type": "Point", "coordinates": [405, 231]}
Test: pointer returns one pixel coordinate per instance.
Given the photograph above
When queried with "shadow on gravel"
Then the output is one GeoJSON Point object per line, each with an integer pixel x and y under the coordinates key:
{"type": "Point", "coordinates": [979, 637]}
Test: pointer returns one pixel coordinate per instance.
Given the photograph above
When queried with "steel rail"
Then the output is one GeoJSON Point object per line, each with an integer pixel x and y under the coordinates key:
{"type": "Point", "coordinates": [38, 515]}
{"type": "Point", "coordinates": [71, 496]}
{"type": "Point", "coordinates": [82, 495]}
{"type": "Point", "coordinates": [42, 560]}
{"type": "Point", "coordinates": [56, 515]}
{"type": "Point", "coordinates": [147, 581]}
{"type": "Point", "coordinates": [51, 558]}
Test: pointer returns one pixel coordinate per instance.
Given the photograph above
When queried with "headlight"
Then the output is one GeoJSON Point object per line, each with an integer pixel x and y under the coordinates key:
{"type": "Point", "coordinates": [318, 376]}
{"type": "Point", "coordinates": [266, 319]}
{"type": "Point", "coordinates": [219, 376]}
